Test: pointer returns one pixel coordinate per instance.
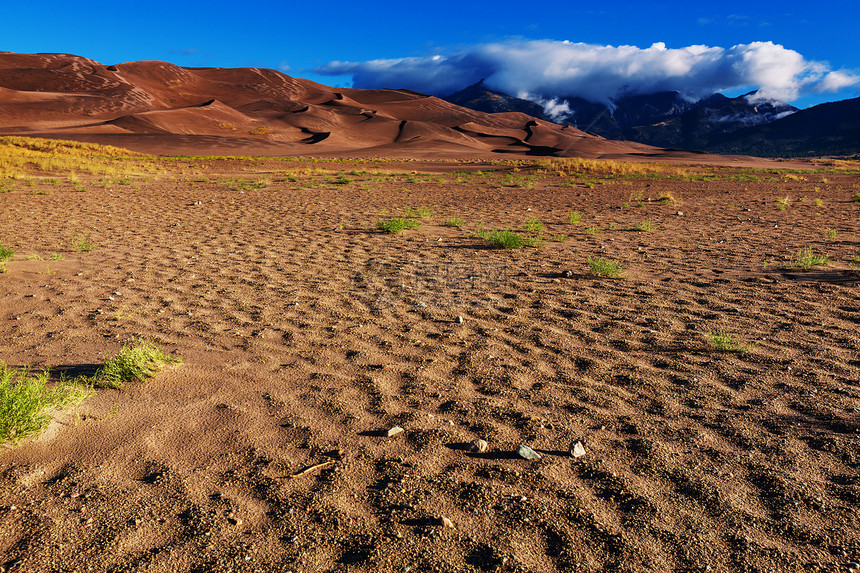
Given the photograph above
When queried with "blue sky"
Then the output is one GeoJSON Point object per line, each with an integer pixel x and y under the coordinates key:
{"type": "Point", "coordinates": [788, 47]}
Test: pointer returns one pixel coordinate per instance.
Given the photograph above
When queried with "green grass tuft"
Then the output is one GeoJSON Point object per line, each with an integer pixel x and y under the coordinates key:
{"type": "Point", "coordinates": [136, 361]}
{"type": "Point", "coordinates": [26, 402]}
{"type": "Point", "coordinates": [397, 224]}
{"type": "Point", "coordinates": [6, 253]}
{"type": "Point", "coordinates": [574, 218]}
{"type": "Point", "coordinates": [503, 239]}
{"type": "Point", "coordinates": [454, 222]}
{"type": "Point", "coordinates": [420, 212]}
{"type": "Point", "coordinates": [82, 244]}
{"type": "Point", "coordinates": [726, 341]}
{"type": "Point", "coordinates": [533, 225]}
{"type": "Point", "coordinates": [601, 267]}
{"type": "Point", "coordinates": [806, 259]}
{"type": "Point", "coordinates": [646, 225]}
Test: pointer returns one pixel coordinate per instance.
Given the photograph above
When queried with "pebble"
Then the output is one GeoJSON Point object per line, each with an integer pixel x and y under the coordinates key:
{"type": "Point", "coordinates": [459, 320]}
{"type": "Point", "coordinates": [577, 450]}
{"type": "Point", "coordinates": [478, 445]}
{"type": "Point", "coordinates": [447, 522]}
{"type": "Point", "coordinates": [393, 431]}
{"type": "Point", "coordinates": [527, 453]}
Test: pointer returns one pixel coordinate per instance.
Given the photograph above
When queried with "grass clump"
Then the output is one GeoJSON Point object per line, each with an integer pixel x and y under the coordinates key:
{"type": "Point", "coordinates": [646, 225]}
{"type": "Point", "coordinates": [82, 243]}
{"type": "Point", "coordinates": [26, 401]}
{"type": "Point", "coordinates": [856, 197]}
{"type": "Point", "coordinates": [397, 224]}
{"type": "Point", "coordinates": [574, 218]}
{"type": "Point", "coordinates": [667, 198]}
{"type": "Point", "coordinates": [608, 268]}
{"type": "Point", "coordinates": [726, 341]}
{"type": "Point", "coordinates": [420, 212]}
{"type": "Point", "coordinates": [6, 253]}
{"type": "Point", "coordinates": [503, 239]}
{"type": "Point", "coordinates": [533, 225]}
{"type": "Point", "coordinates": [806, 259]}
{"type": "Point", "coordinates": [454, 222]}
{"type": "Point", "coordinates": [139, 360]}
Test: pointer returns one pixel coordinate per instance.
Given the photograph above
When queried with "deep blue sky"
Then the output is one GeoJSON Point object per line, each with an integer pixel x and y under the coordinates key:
{"type": "Point", "coordinates": [299, 37]}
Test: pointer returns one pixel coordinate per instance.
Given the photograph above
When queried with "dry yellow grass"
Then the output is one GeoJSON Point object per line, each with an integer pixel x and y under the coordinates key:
{"type": "Point", "coordinates": [605, 167]}
{"type": "Point", "coordinates": [22, 157]}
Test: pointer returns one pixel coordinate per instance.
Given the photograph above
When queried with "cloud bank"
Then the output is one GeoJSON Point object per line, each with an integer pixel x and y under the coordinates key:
{"type": "Point", "coordinates": [546, 70]}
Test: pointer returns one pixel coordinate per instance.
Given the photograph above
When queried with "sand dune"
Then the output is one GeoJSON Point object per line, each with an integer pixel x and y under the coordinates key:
{"type": "Point", "coordinates": [56, 95]}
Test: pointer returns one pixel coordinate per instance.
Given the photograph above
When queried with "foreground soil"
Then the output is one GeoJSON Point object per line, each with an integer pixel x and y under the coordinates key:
{"type": "Point", "coordinates": [306, 334]}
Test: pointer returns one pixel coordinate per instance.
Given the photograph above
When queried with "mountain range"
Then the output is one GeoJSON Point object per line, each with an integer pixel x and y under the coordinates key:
{"type": "Point", "coordinates": [715, 124]}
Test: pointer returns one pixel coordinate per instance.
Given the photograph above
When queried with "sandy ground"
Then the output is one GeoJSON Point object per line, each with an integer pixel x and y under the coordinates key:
{"type": "Point", "coordinates": [306, 334]}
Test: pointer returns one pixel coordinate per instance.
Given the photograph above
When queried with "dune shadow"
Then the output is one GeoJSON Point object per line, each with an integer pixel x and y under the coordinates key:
{"type": "Point", "coordinates": [74, 371]}
{"type": "Point", "coordinates": [557, 453]}
{"type": "Point", "coordinates": [844, 277]}
{"type": "Point", "coordinates": [374, 433]}
{"type": "Point", "coordinates": [421, 522]}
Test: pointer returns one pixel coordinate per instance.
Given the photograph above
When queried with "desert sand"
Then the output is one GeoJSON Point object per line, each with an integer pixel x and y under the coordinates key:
{"type": "Point", "coordinates": [307, 334]}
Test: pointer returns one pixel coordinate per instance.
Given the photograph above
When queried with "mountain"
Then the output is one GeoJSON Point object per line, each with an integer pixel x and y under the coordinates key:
{"type": "Point", "coordinates": [826, 129]}
{"type": "Point", "coordinates": [696, 126]}
{"type": "Point", "coordinates": [162, 108]}
{"type": "Point", "coordinates": [663, 119]}
{"type": "Point", "coordinates": [481, 98]}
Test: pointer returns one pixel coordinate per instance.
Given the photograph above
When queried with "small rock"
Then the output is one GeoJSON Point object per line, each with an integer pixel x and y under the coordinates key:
{"type": "Point", "coordinates": [447, 522]}
{"type": "Point", "coordinates": [527, 453]}
{"type": "Point", "coordinates": [459, 320]}
{"type": "Point", "coordinates": [478, 445]}
{"type": "Point", "coordinates": [393, 431]}
{"type": "Point", "coordinates": [680, 213]}
{"type": "Point", "coordinates": [577, 450]}
{"type": "Point", "coordinates": [568, 274]}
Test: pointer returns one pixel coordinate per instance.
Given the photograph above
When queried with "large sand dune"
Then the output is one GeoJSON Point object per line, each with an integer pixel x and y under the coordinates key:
{"type": "Point", "coordinates": [260, 111]}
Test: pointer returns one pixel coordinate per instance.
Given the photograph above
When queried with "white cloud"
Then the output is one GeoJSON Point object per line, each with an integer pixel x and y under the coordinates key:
{"type": "Point", "coordinates": [552, 70]}
{"type": "Point", "coordinates": [837, 80]}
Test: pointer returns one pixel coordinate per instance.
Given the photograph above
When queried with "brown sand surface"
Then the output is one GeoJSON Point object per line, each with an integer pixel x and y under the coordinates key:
{"type": "Point", "coordinates": [306, 334]}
